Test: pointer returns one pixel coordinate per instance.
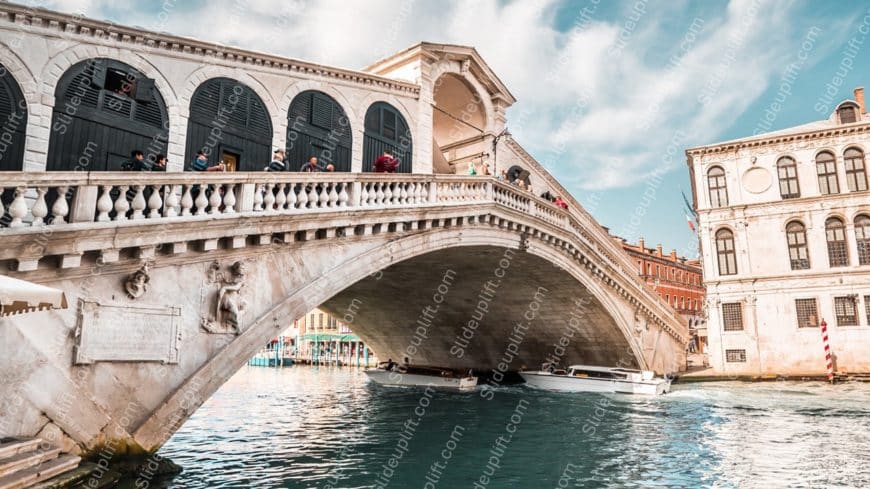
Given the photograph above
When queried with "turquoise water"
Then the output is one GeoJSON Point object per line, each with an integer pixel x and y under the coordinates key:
{"type": "Point", "coordinates": [326, 427]}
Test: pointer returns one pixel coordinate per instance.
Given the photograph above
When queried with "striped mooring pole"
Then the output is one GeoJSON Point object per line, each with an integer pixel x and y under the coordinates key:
{"type": "Point", "coordinates": [828, 358]}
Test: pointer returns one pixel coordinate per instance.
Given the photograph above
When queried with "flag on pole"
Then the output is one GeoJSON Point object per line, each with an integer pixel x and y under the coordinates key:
{"type": "Point", "coordinates": [691, 224]}
{"type": "Point", "coordinates": [688, 205]}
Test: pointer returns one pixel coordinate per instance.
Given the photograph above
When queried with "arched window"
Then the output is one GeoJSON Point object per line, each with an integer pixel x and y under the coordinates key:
{"type": "Point", "coordinates": [835, 234]}
{"type": "Point", "coordinates": [856, 174]}
{"type": "Point", "coordinates": [318, 126]}
{"type": "Point", "coordinates": [786, 168]}
{"type": "Point", "coordinates": [826, 168]}
{"type": "Point", "coordinates": [847, 113]}
{"type": "Point", "coordinates": [230, 124]}
{"type": "Point", "coordinates": [725, 252]}
{"type": "Point", "coordinates": [798, 255]}
{"type": "Point", "coordinates": [386, 130]}
{"type": "Point", "coordinates": [717, 187]}
{"type": "Point", "coordinates": [862, 237]}
{"type": "Point", "coordinates": [103, 110]}
{"type": "Point", "coordinates": [13, 121]}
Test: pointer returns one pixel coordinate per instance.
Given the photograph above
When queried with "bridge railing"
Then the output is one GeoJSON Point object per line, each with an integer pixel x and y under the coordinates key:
{"type": "Point", "coordinates": [61, 198]}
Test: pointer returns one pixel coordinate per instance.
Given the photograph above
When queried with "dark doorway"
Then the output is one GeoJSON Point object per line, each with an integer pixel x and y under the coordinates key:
{"type": "Point", "coordinates": [386, 130]}
{"type": "Point", "coordinates": [227, 113]}
{"type": "Point", "coordinates": [103, 110]}
{"type": "Point", "coordinates": [318, 126]}
{"type": "Point", "coordinates": [13, 123]}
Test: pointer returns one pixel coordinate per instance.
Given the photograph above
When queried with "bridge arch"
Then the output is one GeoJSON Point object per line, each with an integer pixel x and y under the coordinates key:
{"type": "Point", "coordinates": [230, 122]}
{"type": "Point", "coordinates": [104, 109]}
{"type": "Point", "coordinates": [317, 124]}
{"type": "Point", "coordinates": [331, 284]}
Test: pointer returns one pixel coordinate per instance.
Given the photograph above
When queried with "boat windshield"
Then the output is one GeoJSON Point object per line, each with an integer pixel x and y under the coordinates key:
{"type": "Point", "coordinates": [597, 374]}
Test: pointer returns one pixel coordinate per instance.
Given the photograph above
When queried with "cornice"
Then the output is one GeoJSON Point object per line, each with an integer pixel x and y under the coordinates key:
{"type": "Point", "coordinates": [848, 129]}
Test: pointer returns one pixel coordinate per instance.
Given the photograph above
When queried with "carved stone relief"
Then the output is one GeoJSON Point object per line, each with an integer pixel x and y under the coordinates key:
{"type": "Point", "coordinates": [222, 298]}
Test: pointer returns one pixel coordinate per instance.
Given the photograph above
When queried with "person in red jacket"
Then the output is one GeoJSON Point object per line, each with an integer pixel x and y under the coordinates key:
{"type": "Point", "coordinates": [386, 163]}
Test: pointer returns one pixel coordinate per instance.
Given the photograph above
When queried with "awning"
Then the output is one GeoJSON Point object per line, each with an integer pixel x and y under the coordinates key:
{"type": "Point", "coordinates": [19, 297]}
{"type": "Point", "coordinates": [344, 338]}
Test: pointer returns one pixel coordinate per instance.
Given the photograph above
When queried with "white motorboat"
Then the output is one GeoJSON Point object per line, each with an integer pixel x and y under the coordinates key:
{"type": "Point", "coordinates": [585, 378]}
{"type": "Point", "coordinates": [422, 377]}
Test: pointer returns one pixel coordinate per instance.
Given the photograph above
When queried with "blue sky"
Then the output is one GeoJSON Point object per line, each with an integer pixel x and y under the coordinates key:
{"type": "Point", "coordinates": [609, 94]}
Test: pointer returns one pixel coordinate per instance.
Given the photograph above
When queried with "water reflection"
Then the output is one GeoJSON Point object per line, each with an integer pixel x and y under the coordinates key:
{"type": "Point", "coordinates": [326, 427]}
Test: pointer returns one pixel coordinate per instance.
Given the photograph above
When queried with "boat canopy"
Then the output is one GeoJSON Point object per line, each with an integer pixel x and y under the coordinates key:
{"type": "Point", "coordinates": [19, 297]}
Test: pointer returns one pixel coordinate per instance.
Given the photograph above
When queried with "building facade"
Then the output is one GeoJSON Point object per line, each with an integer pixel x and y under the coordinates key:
{"type": "Point", "coordinates": [785, 237]}
{"type": "Point", "coordinates": [677, 280]}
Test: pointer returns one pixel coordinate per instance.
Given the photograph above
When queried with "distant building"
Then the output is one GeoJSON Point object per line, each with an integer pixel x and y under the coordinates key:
{"type": "Point", "coordinates": [322, 338]}
{"type": "Point", "coordinates": [677, 280]}
{"type": "Point", "coordinates": [785, 238]}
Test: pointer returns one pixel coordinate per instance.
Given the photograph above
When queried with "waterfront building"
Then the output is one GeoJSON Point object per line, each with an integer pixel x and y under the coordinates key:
{"type": "Point", "coordinates": [785, 237]}
{"type": "Point", "coordinates": [319, 337]}
{"type": "Point", "coordinates": [676, 279]}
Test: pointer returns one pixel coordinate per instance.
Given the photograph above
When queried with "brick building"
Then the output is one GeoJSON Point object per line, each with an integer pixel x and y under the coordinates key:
{"type": "Point", "coordinates": [678, 280]}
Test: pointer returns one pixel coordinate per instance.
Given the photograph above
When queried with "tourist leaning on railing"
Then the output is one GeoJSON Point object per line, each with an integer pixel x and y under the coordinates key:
{"type": "Point", "coordinates": [310, 166]}
{"type": "Point", "coordinates": [277, 163]}
{"type": "Point", "coordinates": [386, 163]}
{"type": "Point", "coordinates": [201, 163]}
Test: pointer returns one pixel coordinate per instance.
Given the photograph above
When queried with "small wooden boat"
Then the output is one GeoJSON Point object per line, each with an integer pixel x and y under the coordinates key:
{"type": "Point", "coordinates": [586, 378]}
{"type": "Point", "coordinates": [438, 378]}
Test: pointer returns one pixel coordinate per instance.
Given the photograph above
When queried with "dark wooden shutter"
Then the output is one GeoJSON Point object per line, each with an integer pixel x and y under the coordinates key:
{"type": "Point", "coordinates": [144, 90]}
{"type": "Point", "coordinates": [100, 68]}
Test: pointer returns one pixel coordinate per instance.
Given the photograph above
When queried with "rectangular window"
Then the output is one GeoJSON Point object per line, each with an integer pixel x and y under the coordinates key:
{"type": "Point", "coordinates": [846, 310]}
{"type": "Point", "coordinates": [658, 271]}
{"type": "Point", "coordinates": [735, 356]}
{"type": "Point", "coordinates": [668, 298]}
{"type": "Point", "coordinates": [867, 308]}
{"type": "Point", "coordinates": [807, 313]}
{"type": "Point", "coordinates": [732, 316]}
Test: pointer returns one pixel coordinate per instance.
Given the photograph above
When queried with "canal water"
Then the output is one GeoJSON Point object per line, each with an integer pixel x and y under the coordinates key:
{"type": "Point", "coordinates": [322, 427]}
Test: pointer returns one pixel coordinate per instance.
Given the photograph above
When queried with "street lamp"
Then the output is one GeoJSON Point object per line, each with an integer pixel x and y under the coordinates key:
{"type": "Point", "coordinates": [495, 141]}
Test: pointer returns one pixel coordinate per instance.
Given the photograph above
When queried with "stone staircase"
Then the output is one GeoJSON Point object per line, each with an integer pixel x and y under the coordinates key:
{"type": "Point", "coordinates": [26, 462]}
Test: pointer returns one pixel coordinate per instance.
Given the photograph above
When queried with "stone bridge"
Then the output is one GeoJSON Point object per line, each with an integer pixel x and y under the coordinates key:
{"type": "Point", "coordinates": [175, 280]}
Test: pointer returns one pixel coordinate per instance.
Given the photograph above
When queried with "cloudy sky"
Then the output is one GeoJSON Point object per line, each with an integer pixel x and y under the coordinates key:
{"type": "Point", "coordinates": [609, 93]}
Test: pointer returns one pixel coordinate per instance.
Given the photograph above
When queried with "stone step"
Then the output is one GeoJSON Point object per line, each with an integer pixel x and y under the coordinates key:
{"type": "Point", "coordinates": [86, 476]}
{"type": "Point", "coordinates": [24, 460]}
{"type": "Point", "coordinates": [18, 445]}
{"type": "Point", "coordinates": [46, 470]}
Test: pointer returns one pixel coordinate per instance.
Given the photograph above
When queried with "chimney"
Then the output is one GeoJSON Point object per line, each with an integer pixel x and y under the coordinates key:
{"type": "Point", "coordinates": [859, 97]}
{"type": "Point", "coordinates": [659, 250]}
{"type": "Point", "coordinates": [640, 245]}
{"type": "Point", "coordinates": [674, 256]}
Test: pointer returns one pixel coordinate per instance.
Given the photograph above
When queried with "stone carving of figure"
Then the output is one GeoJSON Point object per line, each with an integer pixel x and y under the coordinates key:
{"type": "Point", "coordinates": [137, 283]}
{"type": "Point", "coordinates": [230, 302]}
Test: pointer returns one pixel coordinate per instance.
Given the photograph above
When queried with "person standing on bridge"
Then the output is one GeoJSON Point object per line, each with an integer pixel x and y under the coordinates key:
{"type": "Point", "coordinates": [386, 163]}
{"type": "Point", "coordinates": [200, 163]}
{"type": "Point", "coordinates": [310, 166]}
{"type": "Point", "coordinates": [277, 163]}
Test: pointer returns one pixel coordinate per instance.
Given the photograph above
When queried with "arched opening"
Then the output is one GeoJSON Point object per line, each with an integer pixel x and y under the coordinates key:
{"type": "Point", "coordinates": [230, 124]}
{"type": "Point", "coordinates": [458, 125]}
{"type": "Point", "coordinates": [13, 122]}
{"type": "Point", "coordinates": [318, 126]}
{"type": "Point", "coordinates": [386, 130]}
{"type": "Point", "coordinates": [103, 110]}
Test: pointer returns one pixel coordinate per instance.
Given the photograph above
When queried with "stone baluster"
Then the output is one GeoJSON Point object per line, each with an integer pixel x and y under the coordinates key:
{"type": "Point", "coordinates": [214, 202]}
{"type": "Point", "coordinates": [39, 209]}
{"type": "Point", "coordinates": [281, 197]}
{"type": "Point", "coordinates": [121, 204]}
{"type": "Point", "coordinates": [343, 198]}
{"type": "Point", "coordinates": [104, 204]}
{"type": "Point", "coordinates": [303, 196]}
{"type": "Point", "coordinates": [169, 210]}
{"type": "Point", "coordinates": [388, 194]}
{"type": "Point", "coordinates": [292, 199]}
{"type": "Point", "coordinates": [324, 196]}
{"type": "Point", "coordinates": [201, 200]}
{"type": "Point", "coordinates": [258, 196]}
{"type": "Point", "coordinates": [60, 209]}
{"type": "Point", "coordinates": [403, 196]}
{"type": "Point", "coordinates": [18, 209]}
{"type": "Point", "coordinates": [186, 200]}
{"type": "Point", "coordinates": [155, 202]}
{"type": "Point", "coordinates": [230, 199]}
{"type": "Point", "coordinates": [364, 195]}
{"type": "Point", "coordinates": [138, 203]}
{"type": "Point", "coordinates": [333, 195]}
{"type": "Point", "coordinates": [312, 196]}
{"type": "Point", "coordinates": [269, 198]}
